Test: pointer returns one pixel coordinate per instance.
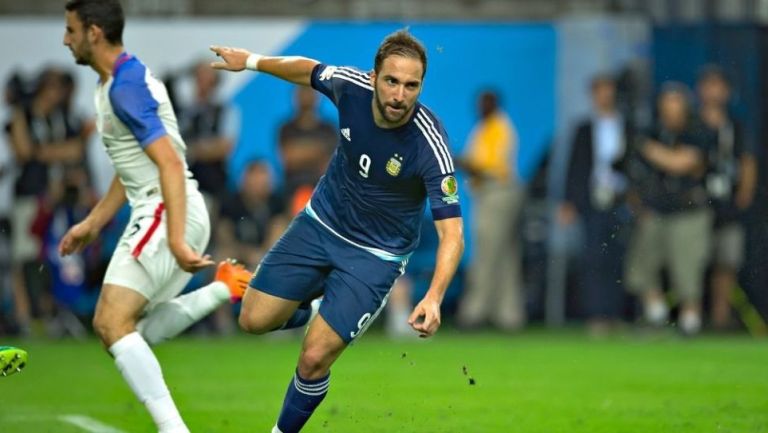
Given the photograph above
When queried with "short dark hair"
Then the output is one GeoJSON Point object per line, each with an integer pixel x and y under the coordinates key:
{"type": "Point", "coordinates": [105, 14]}
{"type": "Point", "coordinates": [400, 43]}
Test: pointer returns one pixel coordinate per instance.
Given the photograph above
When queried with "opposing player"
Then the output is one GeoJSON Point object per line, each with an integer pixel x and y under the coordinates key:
{"type": "Point", "coordinates": [354, 237]}
{"type": "Point", "coordinates": [169, 224]}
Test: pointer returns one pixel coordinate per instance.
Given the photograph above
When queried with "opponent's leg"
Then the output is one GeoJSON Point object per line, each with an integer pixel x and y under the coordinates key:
{"type": "Point", "coordinates": [309, 385]}
{"type": "Point", "coordinates": [170, 318]}
{"type": "Point", "coordinates": [117, 310]}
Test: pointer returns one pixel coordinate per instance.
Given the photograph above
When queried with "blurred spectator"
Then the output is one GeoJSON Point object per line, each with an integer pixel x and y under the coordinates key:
{"type": "Point", "coordinates": [43, 140]}
{"type": "Point", "coordinates": [306, 145]}
{"type": "Point", "coordinates": [495, 281]}
{"type": "Point", "coordinates": [250, 219]}
{"type": "Point", "coordinates": [731, 183]}
{"type": "Point", "coordinates": [596, 184]}
{"type": "Point", "coordinates": [209, 129]}
{"type": "Point", "coordinates": [674, 221]}
{"type": "Point", "coordinates": [11, 97]}
{"type": "Point", "coordinates": [69, 202]}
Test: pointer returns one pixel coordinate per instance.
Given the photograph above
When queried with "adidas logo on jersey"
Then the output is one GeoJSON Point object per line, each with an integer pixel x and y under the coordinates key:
{"type": "Point", "coordinates": [345, 133]}
{"type": "Point", "coordinates": [327, 73]}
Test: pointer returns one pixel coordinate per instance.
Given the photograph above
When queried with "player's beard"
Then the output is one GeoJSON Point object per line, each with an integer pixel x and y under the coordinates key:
{"type": "Point", "coordinates": [82, 54]}
{"type": "Point", "coordinates": [382, 107]}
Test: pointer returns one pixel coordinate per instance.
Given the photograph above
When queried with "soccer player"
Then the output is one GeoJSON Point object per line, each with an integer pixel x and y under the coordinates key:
{"type": "Point", "coordinates": [354, 237]}
{"type": "Point", "coordinates": [169, 224]}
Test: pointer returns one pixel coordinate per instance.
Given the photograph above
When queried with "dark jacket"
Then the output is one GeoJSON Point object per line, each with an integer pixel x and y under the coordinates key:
{"type": "Point", "coordinates": [579, 177]}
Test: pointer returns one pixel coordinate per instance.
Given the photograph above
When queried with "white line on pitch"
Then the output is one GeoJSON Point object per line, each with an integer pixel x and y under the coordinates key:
{"type": "Point", "coordinates": [89, 424]}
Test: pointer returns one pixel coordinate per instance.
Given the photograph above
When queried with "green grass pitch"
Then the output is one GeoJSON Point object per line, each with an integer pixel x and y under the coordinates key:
{"type": "Point", "coordinates": [534, 382]}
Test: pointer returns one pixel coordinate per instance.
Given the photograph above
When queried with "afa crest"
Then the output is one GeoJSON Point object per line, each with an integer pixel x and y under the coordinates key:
{"type": "Point", "coordinates": [394, 165]}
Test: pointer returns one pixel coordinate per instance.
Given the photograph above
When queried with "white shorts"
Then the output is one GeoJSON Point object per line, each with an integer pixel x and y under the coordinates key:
{"type": "Point", "coordinates": [142, 260]}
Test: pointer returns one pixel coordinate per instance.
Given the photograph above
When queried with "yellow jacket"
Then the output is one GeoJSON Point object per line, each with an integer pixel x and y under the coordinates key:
{"type": "Point", "coordinates": [490, 147]}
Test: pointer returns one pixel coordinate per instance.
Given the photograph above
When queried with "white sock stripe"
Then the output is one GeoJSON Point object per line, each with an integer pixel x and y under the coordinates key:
{"type": "Point", "coordinates": [311, 387]}
{"type": "Point", "coordinates": [302, 390]}
{"type": "Point", "coordinates": [417, 121]}
{"type": "Point", "coordinates": [440, 142]}
{"type": "Point", "coordinates": [303, 386]}
{"type": "Point", "coordinates": [312, 391]}
{"type": "Point", "coordinates": [351, 79]}
{"type": "Point", "coordinates": [355, 72]}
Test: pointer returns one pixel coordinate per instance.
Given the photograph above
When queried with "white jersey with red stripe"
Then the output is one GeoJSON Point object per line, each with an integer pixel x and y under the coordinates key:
{"type": "Point", "coordinates": [133, 110]}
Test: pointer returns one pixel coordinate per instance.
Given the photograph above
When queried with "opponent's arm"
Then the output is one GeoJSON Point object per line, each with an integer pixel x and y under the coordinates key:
{"type": "Point", "coordinates": [426, 316]}
{"type": "Point", "coordinates": [296, 69]}
{"type": "Point", "coordinates": [173, 187]}
{"type": "Point", "coordinates": [86, 231]}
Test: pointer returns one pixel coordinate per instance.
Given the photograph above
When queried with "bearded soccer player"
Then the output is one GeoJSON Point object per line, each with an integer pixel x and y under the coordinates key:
{"type": "Point", "coordinates": [169, 225]}
{"type": "Point", "coordinates": [354, 237]}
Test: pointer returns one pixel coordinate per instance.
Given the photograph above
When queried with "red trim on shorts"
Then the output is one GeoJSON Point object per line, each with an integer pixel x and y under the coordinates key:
{"type": "Point", "coordinates": [148, 235]}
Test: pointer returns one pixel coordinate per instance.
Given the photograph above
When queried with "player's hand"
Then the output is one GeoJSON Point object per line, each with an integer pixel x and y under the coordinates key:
{"type": "Point", "coordinates": [425, 318]}
{"type": "Point", "coordinates": [189, 260]}
{"type": "Point", "coordinates": [77, 238]}
{"type": "Point", "coordinates": [233, 58]}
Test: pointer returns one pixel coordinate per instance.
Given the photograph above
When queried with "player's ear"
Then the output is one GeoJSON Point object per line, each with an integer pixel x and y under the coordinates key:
{"type": "Point", "coordinates": [373, 79]}
{"type": "Point", "coordinates": [94, 33]}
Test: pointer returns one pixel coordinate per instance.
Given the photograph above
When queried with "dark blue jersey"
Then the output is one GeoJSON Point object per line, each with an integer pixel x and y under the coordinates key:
{"type": "Point", "coordinates": [373, 193]}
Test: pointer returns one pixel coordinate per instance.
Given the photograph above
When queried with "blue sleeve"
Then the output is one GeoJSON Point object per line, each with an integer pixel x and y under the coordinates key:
{"type": "Point", "coordinates": [135, 106]}
{"type": "Point", "coordinates": [333, 81]}
{"type": "Point", "coordinates": [438, 171]}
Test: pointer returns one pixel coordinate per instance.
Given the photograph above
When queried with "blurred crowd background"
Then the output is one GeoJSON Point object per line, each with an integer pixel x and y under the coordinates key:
{"type": "Point", "coordinates": [612, 154]}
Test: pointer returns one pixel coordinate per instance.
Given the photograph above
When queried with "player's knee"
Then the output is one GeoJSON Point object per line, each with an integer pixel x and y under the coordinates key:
{"type": "Point", "coordinates": [253, 324]}
{"type": "Point", "coordinates": [313, 363]}
{"type": "Point", "coordinates": [109, 330]}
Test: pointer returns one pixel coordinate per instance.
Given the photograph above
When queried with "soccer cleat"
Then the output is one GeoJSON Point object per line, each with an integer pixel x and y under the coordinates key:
{"type": "Point", "coordinates": [12, 360]}
{"type": "Point", "coordinates": [235, 276]}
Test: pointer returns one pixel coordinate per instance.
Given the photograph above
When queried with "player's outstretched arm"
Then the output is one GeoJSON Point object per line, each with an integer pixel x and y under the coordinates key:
{"type": "Point", "coordinates": [426, 315]}
{"type": "Point", "coordinates": [297, 70]}
{"type": "Point", "coordinates": [80, 235]}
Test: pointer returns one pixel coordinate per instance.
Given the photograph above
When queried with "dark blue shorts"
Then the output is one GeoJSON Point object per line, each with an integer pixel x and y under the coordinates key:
{"type": "Point", "coordinates": [309, 261]}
